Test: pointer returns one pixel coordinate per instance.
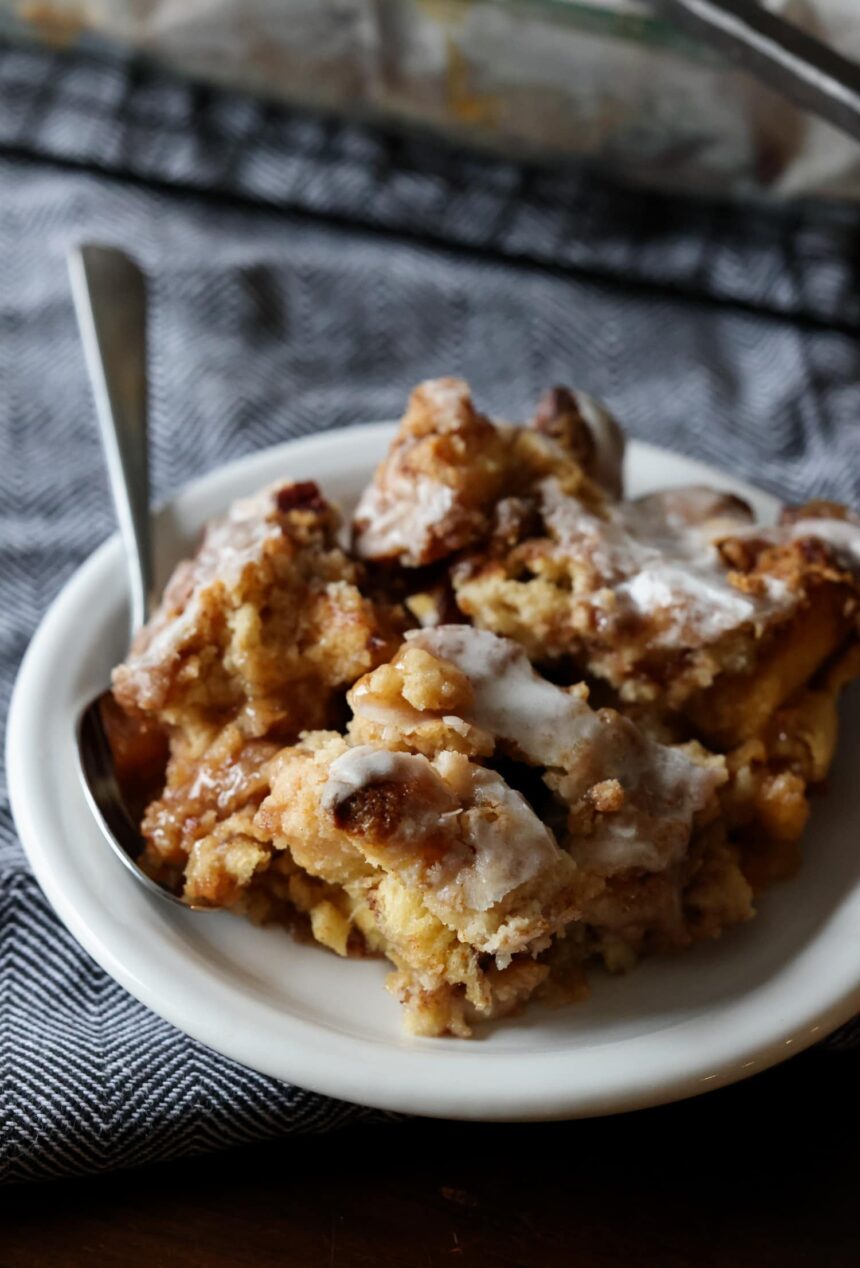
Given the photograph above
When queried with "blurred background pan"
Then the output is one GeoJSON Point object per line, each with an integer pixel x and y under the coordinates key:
{"type": "Point", "coordinates": [649, 91]}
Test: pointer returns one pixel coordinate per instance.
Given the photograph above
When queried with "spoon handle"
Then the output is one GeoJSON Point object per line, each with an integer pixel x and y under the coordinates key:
{"type": "Point", "coordinates": [110, 302]}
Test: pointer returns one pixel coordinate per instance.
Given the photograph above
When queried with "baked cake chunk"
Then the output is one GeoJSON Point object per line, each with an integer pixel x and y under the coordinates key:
{"type": "Point", "coordinates": [676, 597]}
{"type": "Point", "coordinates": [475, 813]}
{"type": "Point", "coordinates": [450, 472]}
{"type": "Point", "coordinates": [268, 619]}
{"type": "Point", "coordinates": [445, 467]}
{"type": "Point", "coordinates": [445, 869]}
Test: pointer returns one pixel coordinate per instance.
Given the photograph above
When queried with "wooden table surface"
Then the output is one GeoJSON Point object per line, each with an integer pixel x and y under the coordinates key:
{"type": "Point", "coordinates": [765, 1173]}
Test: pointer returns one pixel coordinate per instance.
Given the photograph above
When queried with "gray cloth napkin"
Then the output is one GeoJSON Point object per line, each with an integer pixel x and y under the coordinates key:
{"type": "Point", "coordinates": [303, 276]}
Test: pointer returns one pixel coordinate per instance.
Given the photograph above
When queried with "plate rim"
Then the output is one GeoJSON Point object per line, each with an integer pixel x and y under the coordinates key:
{"type": "Point", "coordinates": [344, 1066]}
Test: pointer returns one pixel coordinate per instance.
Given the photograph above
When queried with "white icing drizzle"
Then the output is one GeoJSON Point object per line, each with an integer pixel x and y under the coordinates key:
{"type": "Point", "coordinates": [663, 787]}
{"type": "Point", "coordinates": [510, 700]}
{"type": "Point", "coordinates": [493, 840]}
{"type": "Point", "coordinates": [656, 557]}
{"type": "Point", "coordinates": [365, 765]}
{"type": "Point", "coordinates": [843, 536]}
{"type": "Point", "coordinates": [448, 398]}
{"type": "Point", "coordinates": [508, 843]}
{"type": "Point", "coordinates": [401, 509]}
{"type": "Point", "coordinates": [396, 518]}
{"type": "Point", "coordinates": [229, 545]}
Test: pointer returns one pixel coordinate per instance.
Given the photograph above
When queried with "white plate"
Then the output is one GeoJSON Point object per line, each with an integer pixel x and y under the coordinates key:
{"type": "Point", "coordinates": [674, 1027]}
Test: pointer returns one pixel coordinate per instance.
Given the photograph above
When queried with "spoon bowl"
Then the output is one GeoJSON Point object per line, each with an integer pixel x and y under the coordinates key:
{"type": "Point", "coordinates": [107, 800]}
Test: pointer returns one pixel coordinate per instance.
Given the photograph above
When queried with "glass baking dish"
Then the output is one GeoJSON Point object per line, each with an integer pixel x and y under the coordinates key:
{"type": "Point", "coordinates": [549, 79]}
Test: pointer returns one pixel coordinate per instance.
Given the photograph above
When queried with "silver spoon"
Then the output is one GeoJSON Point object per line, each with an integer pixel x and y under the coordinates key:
{"type": "Point", "coordinates": [110, 302]}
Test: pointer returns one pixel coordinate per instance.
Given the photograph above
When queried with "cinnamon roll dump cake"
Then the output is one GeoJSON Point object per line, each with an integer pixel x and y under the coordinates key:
{"type": "Point", "coordinates": [522, 725]}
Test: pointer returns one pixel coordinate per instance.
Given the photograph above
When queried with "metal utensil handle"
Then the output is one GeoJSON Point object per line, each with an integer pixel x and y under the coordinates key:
{"type": "Point", "coordinates": [800, 67]}
{"type": "Point", "coordinates": [109, 292]}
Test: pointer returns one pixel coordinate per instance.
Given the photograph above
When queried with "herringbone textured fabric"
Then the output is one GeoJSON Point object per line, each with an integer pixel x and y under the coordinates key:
{"type": "Point", "coordinates": [269, 322]}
